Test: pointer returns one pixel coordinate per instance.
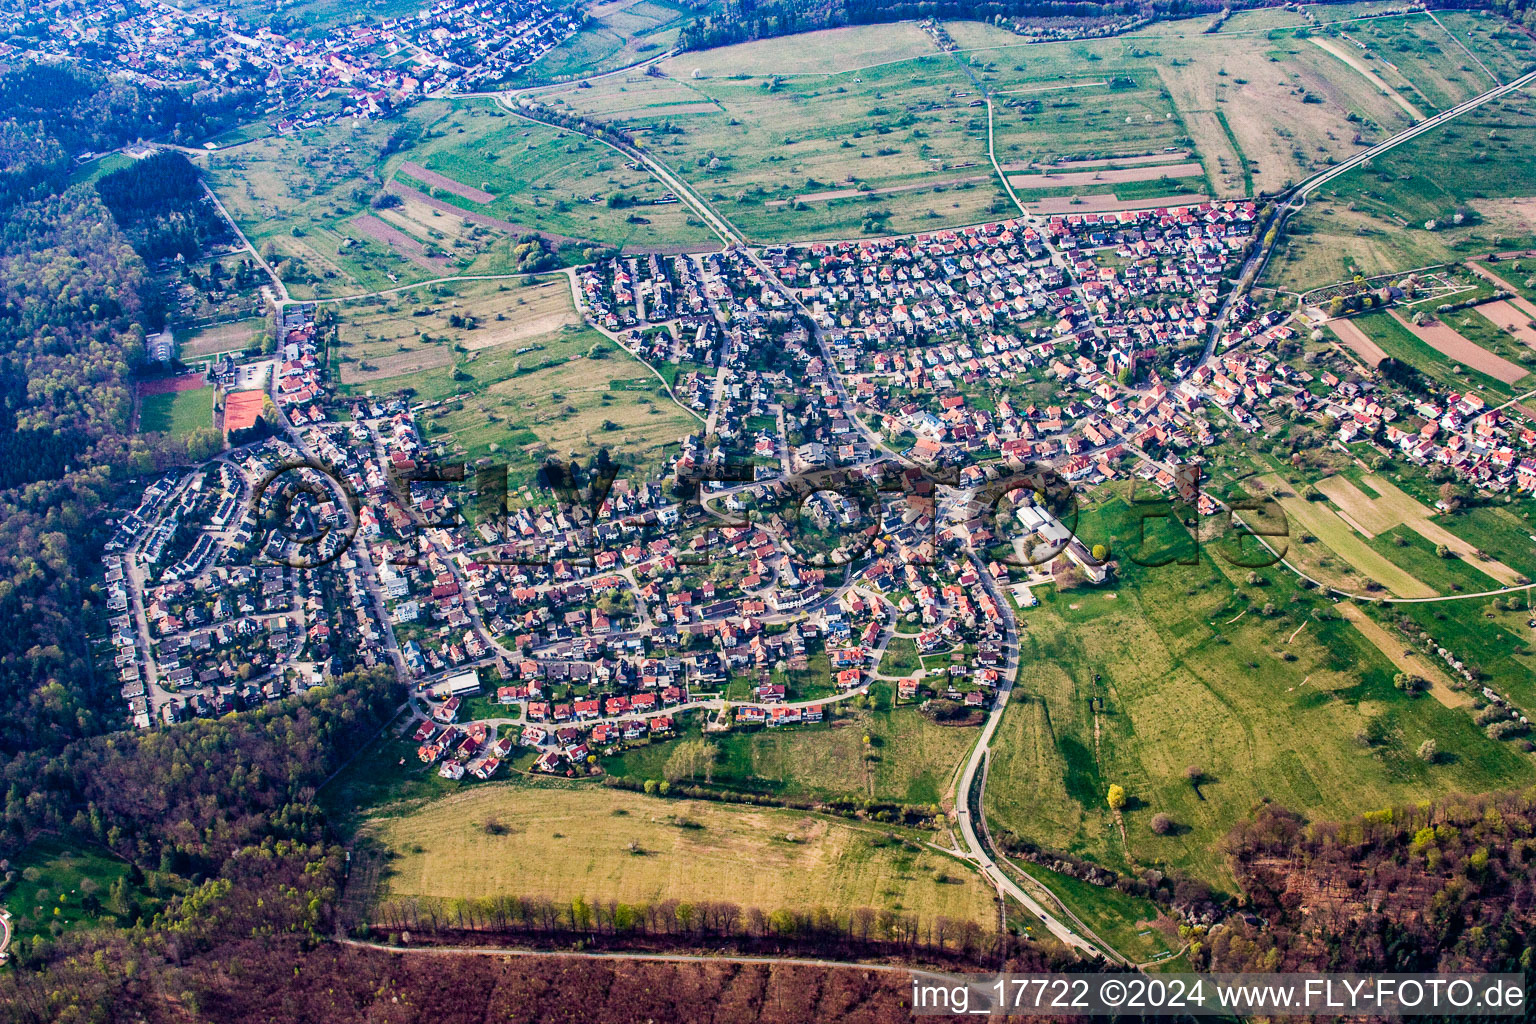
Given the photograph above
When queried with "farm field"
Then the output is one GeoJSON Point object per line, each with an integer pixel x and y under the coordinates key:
{"type": "Point", "coordinates": [863, 131]}
{"type": "Point", "coordinates": [1400, 210]}
{"type": "Point", "coordinates": [177, 413]}
{"type": "Point", "coordinates": [1392, 508]}
{"type": "Point", "coordinates": [600, 844]}
{"type": "Point", "coordinates": [1192, 672]}
{"type": "Point", "coordinates": [524, 375]}
{"type": "Point", "coordinates": [618, 33]}
{"type": "Point", "coordinates": [1362, 564]}
{"type": "Point", "coordinates": [1402, 344]}
{"type": "Point", "coordinates": [909, 759]}
{"type": "Point", "coordinates": [541, 178]}
{"type": "Point", "coordinates": [1448, 341]}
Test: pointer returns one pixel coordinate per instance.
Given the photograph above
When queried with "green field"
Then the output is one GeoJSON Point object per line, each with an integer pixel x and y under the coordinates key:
{"type": "Point", "coordinates": [909, 758]}
{"type": "Point", "coordinates": [1373, 219]}
{"type": "Point", "coordinates": [62, 885]}
{"type": "Point", "coordinates": [1191, 671]}
{"type": "Point", "coordinates": [526, 380]}
{"type": "Point", "coordinates": [548, 179]}
{"type": "Point", "coordinates": [602, 844]}
{"type": "Point", "coordinates": [177, 413]}
{"type": "Point", "coordinates": [618, 34]}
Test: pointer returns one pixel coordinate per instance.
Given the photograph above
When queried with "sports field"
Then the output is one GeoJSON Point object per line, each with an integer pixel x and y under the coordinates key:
{"type": "Point", "coordinates": [601, 844]}
{"type": "Point", "coordinates": [177, 413]}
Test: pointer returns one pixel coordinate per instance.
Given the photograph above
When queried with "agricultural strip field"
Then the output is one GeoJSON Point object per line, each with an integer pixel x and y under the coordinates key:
{"type": "Point", "coordinates": [1393, 507]}
{"type": "Point", "coordinates": [1405, 346]}
{"type": "Point", "coordinates": [1507, 317]}
{"type": "Point", "coordinates": [177, 413]}
{"type": "Point", "coordinates": [1448, 342]}
{"type": "Point", "coordinates": [1263, 687]}
{"type": "Point", "coordinates": [1322, 522]}
{"type": "Point", "coordinates": [1358, 342]}
{"type": "Point", "coordinates": [1455, 191]}
{"type": "Point", "coordinates": [525, 176]}
{"type": "Point", "coordinates": [600, 845]}
{"type": "Point", "coordinates": [1406, 659]}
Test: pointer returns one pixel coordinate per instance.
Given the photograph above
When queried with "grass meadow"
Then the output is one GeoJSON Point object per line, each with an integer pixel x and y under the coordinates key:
{"type": "Point", "coordinates": [526, 380]}
{"type": "Point", "coordinates": [1181, 666]}
{"type": "Point", "coordinates": [601, 844]}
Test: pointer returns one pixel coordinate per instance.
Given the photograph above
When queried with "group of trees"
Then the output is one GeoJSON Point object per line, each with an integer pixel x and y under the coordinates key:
{"type": "Point", "coordinates": [705, 922]}
{"type": "Point", "coordinates": [160, 205]}
{"type": "Point", "coordinates": [1441, 886]}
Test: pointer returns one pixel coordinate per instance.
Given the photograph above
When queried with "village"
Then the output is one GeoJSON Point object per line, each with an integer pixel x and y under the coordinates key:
{"type": "Point", "coordinates": [738, 589]}
{"type": "Point", "coordinates": [359, 70]}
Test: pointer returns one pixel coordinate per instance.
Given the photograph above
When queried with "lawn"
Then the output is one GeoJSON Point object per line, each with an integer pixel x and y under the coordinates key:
{"type": "Point", "coordinates": [67, 885]}
{"type": "Point", "coordinates": [177, 413]}
{"type": "Point", "coordinates": [602, 844]}
{"type": "Point", "coordinates": [1191, 671]}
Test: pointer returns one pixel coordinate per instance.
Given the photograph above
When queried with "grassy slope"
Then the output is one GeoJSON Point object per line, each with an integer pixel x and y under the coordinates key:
{"type": "Point", "coordinates": [1190, 678]}
{"type": "Point", "coordinates": [578, 843]}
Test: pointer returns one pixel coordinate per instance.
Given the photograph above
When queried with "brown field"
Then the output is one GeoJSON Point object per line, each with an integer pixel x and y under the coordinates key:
{"type": "Point", "coordinates": [1405, 658]}
{"type": "Point", "coordinates": [1106, 201]}
{"type": "Point", "coordinates": [398, 241]}
{"type": "Point", "coordinates": [241, 409]}
{"type": "Point", "coordinates": [1447, 341]}
{"type": "Point", "coordinates": [1053, 177]}
{"type": "Point", "coordinates": [482, 219]}
{"type": "Point", "coordinates": [442, 181]}
{"type": "Point", "coordinates": [1358, 342]}
{"type": "Point", "coordinates": [602, 844]}
{"type": "Point", "coordinates": [1516, 321]}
